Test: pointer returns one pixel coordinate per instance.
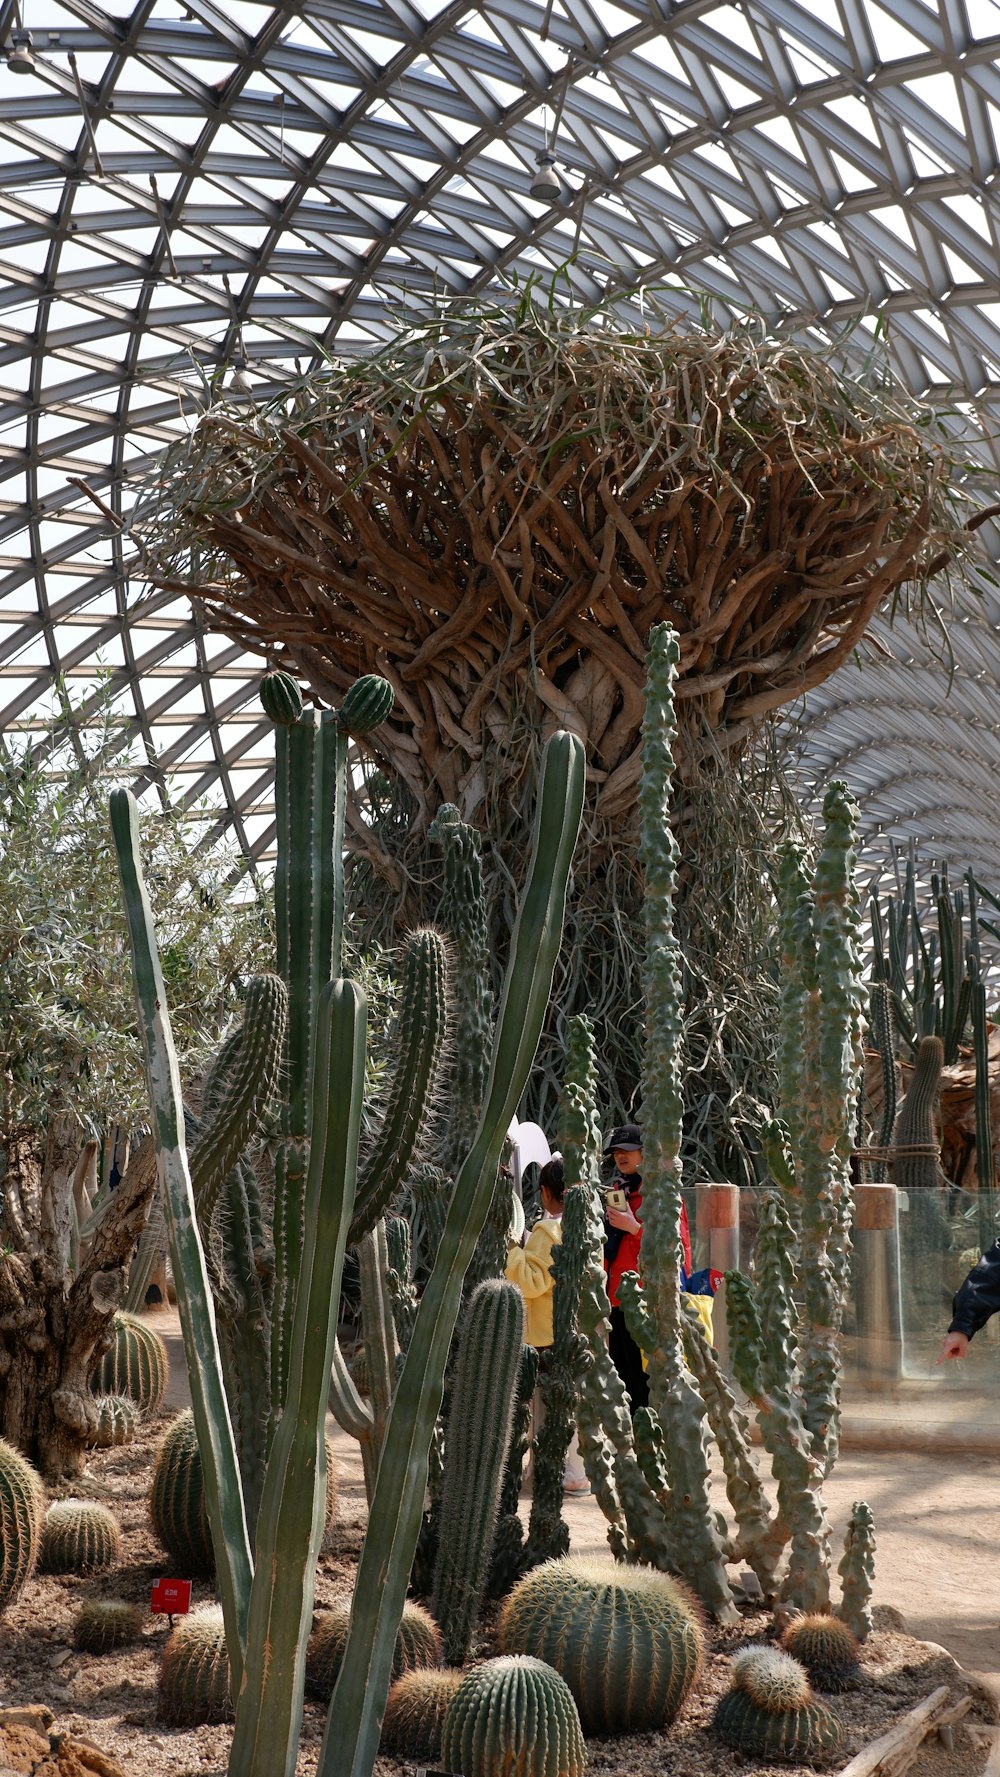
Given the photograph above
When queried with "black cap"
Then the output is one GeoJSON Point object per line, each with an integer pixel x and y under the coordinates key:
{"type": "Point", "coordinates": [627, 1135]}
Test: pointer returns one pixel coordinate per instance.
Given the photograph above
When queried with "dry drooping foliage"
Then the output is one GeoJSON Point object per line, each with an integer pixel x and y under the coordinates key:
{"type": "Point", "coordinates": [493, 509]}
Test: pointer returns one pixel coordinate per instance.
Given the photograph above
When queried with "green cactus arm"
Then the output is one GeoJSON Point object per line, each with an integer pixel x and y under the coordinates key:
{"type": "Point", "coordinates": [379, 1332]}
{"type": "Point", "coordinates": [423, 1012]}
{"type": "Point", "coordinates": [290, 1525]}
{"type": "Point", "coordinates": [777, 1153]}
{"type": "Point", "coordinates": [638, 1319]}
{"type": "Point", "coordinates": [579, 1133]}
{"type": "Point", "coordinates": [350, 1743]}
{"type": "Point", "coordinates": [745, 1336]}
{"type": "Point", "coordinates": [399, 1279]}
{"type": "Point", "coordinates": [882, 1031]}
{"type": "Point", "coordinates": [463, 917]}
{"type": "Point", "coordinates": [857, 1571]}
{"type": "Point", "coordinates": [352, 1414]}
{"type": "Point", "coordinates": [223, 1495]}
{"type": "Point", "coordinates": [242, 1095]}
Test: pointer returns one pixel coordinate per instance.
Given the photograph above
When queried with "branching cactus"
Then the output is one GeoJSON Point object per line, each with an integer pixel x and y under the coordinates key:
{"type": "Point", "coordinates": [479, 1428]}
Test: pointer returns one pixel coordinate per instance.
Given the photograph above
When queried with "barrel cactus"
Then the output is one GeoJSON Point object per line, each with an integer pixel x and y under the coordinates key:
{"type": "Point", "coordinates": [771, 1712]}
{"type": "Point", "coordinates": [418, 1643]}
{"type": "Point", "coordinates": [22, 1508]}
{"type": "Point", "coordinates": [827, 1648]}
{"type": "Point", "coordinates": [513, 1714]}
{"type": "Point", "coordinates": [177, 1501]}
{"type": "Point", "coordinates": [281, 698]}
{"type": "Point", "coordinates": [102, 1624]}
{"type": "Point", "coordinates": [627, 1640]}
{"type": "Point", "coordinates": [117, 1421]}
{"type": "Point", "coordinates": [79, 1536]}
{"type": "Point", "coordinates": [135, 1365]}
{"type": "Point", "coordinates": [415, 1712]}
{"type": "Point", "coordinates": [367, 703]}
{"type": "Point", "coordinates": [194, 1678]}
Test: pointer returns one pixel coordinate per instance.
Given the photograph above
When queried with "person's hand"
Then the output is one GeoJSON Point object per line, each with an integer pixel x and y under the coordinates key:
{"type": "Point", "coordinates": [953, 1345]}
{"type": "Point", "coordinates": [624, 1219]}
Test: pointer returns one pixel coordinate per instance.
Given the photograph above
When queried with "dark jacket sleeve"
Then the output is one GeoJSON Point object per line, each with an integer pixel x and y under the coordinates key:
{"type": "Point", "coordinates": [979, 1296]}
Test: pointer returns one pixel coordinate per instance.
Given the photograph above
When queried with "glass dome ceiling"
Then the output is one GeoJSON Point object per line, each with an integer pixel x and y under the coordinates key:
{"type": "Point", "coordinates": [199, 189]}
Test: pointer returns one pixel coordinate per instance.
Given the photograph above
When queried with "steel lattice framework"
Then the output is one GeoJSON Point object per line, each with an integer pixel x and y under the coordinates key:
{"type": "Point", "coordinates": [197, 190]}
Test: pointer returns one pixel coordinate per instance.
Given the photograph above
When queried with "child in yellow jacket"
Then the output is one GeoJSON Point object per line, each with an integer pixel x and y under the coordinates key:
{"type": "Point", "coordinates": [530, 1267]}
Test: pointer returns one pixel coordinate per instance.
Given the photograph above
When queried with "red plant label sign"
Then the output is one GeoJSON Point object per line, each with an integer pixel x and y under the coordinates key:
{"type": "Point", "coordinates": [172, 1598]}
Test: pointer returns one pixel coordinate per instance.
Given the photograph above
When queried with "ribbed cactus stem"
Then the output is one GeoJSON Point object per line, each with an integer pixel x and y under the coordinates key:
{"type": "Point", "coordinates": [224, 1498]}
{"type": "Point", "coordinates": [422, 1018]}
{"type": "Point", "coordinates": [463, 917]}
{"type": "Point", "coordinates": [509, 1559]}
{"type": "Point", "coordinates": [236, 1095]}
{"type": "Point", "coordinates": [379, 1331]}
{"type": "Point", "coordinates": [675, 1399]}
{"type": "Point", "coordinates": [578, 1137]}
{"type": "Point", "coordinates": [350, 1743]}
{"type": "Point", "coordinates": [916, 1126]}
{"type": "Point", "coordinates": [882, 1032]}
{"type": "Point", "coordinates": [479, 1427]}
{"type": "Point", "coordinates": [399, 1278]}
{"type": "Point", "coordinates": [857, 1571]}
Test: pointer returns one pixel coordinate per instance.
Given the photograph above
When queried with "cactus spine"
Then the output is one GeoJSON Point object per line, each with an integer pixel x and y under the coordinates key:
{"type": "Point", "coordinates": [136, 1364]}
{"type": "Point", "coordinates": [771, 1712]}
{"type": "Point", "coordinates": [673, 1396]}
{"type": "Point", "coordinates": [418, 1644]}
{"type": "Point", "coordinates": [479, 1426]}
{"type": "Point", "coordinates": [415, 1712]}
{"type": "Point", "coordinates": [627, 1640]}
{"type": "Point", "coordinates": [195, 1679]}
{"type": "Point", "coordinates": [79, 1536]}
{"type": "Point", "coordinates": [511, 1714]}
{"type": "Point", "coordinates": [177, 1507]}
{"type": "Point", "coordinates": [102, 1624]}
{"type": "Point", "coordinates": [827, 1648]}
{"type": "Point", "coordinates": [117, 1421]}
{"type": "Point", "coordinates": [857, 1571]}
{"type": "Point", "coordinates": [22, 1509]}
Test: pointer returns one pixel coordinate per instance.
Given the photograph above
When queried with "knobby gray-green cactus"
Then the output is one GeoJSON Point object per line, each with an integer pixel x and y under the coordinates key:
{"type": "Point", "coordinates": [857, 1571]}
{"type": "Point", "coordinates": [267, 1612]}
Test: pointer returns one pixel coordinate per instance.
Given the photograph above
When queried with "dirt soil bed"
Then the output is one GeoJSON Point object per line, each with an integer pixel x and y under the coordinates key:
{"type": "Point", "coordinates": [112, 1698]}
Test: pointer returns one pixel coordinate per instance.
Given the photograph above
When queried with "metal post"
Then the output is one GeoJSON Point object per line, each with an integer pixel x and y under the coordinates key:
{"type": "Point", "coordinates": [717, 1219]}
{"type": "Point", "coordinates": [877, 1285]}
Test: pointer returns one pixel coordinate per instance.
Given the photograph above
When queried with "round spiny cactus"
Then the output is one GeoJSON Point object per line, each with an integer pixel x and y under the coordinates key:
{"type": "Point", "coordinates": [809, 1735]}
{"type": "Point", "coordinates": [771, 1679]}
{"type": "Point", "coordinates": [415, 1712]}
{"type": "Point", "coordinates": [79, 1536]}
{"type": "Point", "coordinates": [627, 1640]}
{"type": "Point", "coordinates": [514, 1714]}
{"type": "Point", "coordinates": [136, 1364]}
{"type": "Point", "coordinates": [117, 1421]}
{"type": "Point", "coordinates": [281, 698]}
{"type": "Point", "coordinates": [177, 1500]}
{"type": "Point", "coordinates": [22, 1508]}
{"type": "Point", "coordinates": [194, 1678]}
{"type": "Point", "coordinates": [106, 1623]}
{"type": "Point", "coordinates": [367, 703]}
{"type": "Point", "coordinates": [418, 1643]}
{"type": "Point", "coordinates": [828, 1650]}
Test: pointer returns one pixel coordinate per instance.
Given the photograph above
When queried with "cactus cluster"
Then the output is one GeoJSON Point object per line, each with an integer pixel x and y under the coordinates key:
{"type": "Point", "coordinates": [771, 1712]}
{"type": "Point", "coordinates": [117, 1421]}
{"type": "Point", "coordinates": [418, 1643]}
{"type": "Point", "coordinates": [828, 1650]}
{"type": "Point", "coordinates": [79, 1536]}
{"type": "Point", "coordinates": [103, 1624]}
{"type": "Point", "coordinates": [195, 1680]}
{"type": "Point", "coordinates": [22, 1510]}
{"type": "Point", "coordinates": [513, 1714]}
{"type": "Point", "coordinates": [415, 1712]}
{"type": "Point", "coordinates": [135, 1365]}
{"type": "Point", "coordinates": [627, 1640]}
{"type": "Point", "coordinates": [479, 1429]}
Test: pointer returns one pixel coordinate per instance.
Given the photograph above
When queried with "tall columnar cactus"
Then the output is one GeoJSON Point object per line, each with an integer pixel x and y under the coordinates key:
{"type": "Point", "coordinates": [882, 1031]}
{"type": "Point", "coordinates": [479, 1427]}
{"type": "Point", "coordinates": [22, 1509]}
{"type": "Point", "coordinates": [267, 1613]}
{"type": "Point", "coordinates": [627, 1640]}
{"type": "Point", "coordinates": [916, 1126]}
{"type": "Point", "coordinates": [463, 917]}
{"type": "Point", "coordinates": [514, 1713]}
{"type": "Point", "coordinates": [673, 1396]}
{"type": "Point", "coordinates": [857, 1571]}
{"type": "Point", "coordinates": [510, 1557]}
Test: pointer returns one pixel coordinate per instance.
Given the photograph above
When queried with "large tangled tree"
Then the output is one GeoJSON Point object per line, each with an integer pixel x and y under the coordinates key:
{"type": "Point", "coordinates": [492, 511]}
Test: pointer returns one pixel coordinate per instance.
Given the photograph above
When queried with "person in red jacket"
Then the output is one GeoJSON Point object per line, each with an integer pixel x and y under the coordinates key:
{"type": "Point", "coordinates": [621, 1253]}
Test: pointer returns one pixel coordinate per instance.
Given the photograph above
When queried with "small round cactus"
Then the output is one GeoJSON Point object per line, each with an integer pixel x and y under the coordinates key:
{"type": "Point", "coordinates": [415, 1712]}
{"type": "Point", "coordinates": [22, 1508]}
{"type": "Point", "coordinates": [770, 1678]}
{"type": "Point", "coordinates": [513, 1714]}
{"type": "Point", "coordinates": [809, 1735]}
{"type": "Point", "coordinates": [627, 1640]}
{"type": "Point", "coordinates": [418, 1643]}
{"type": "Point", "coordinates": [117, 1421]}
{"type": "Point", "coordinates": [281, 698]}
{"type": "Point", "coordinates": [79, 1536]}
{"type": "Point", "coordinates": [136, 1364]}
{"type": "Point", "coordinates": [828, 1650]}
{"type": "Point", "coordinates": [366, 704]}
{"type": "Point", "coordinates": [194, 1678]}
{"type": "Point", "coordinates": [177, 1501]}
{"type": "Point", "coordinates": [103, 1624]}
